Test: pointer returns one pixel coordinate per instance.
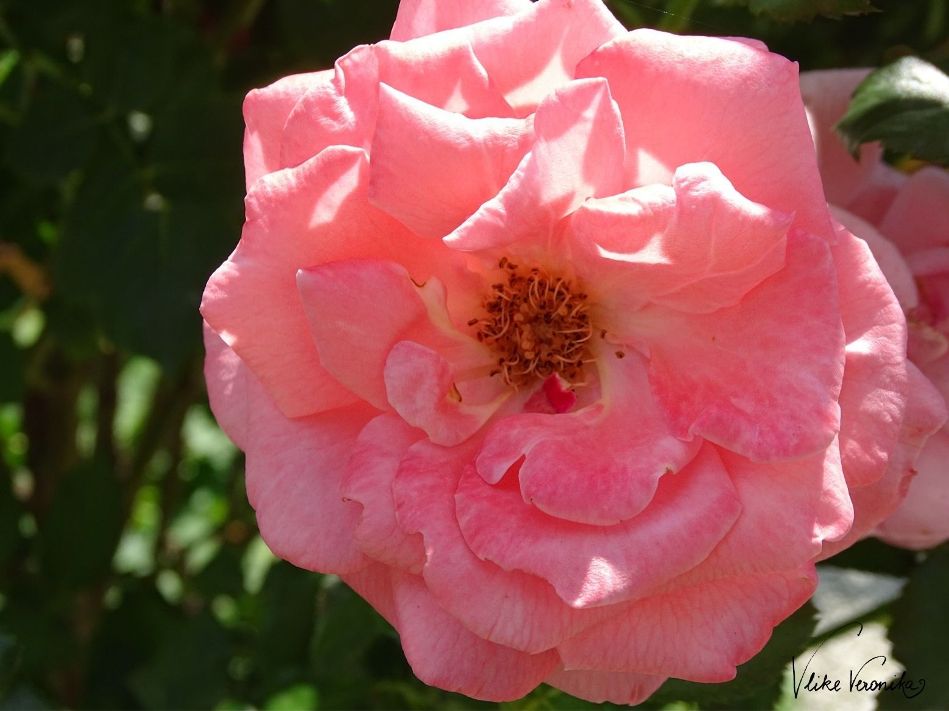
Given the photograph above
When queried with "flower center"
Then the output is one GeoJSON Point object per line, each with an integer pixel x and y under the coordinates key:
{"type": "Point", "coordinates": [538, 323]}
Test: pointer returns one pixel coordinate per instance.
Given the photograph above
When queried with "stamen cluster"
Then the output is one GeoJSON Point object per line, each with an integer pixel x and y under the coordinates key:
{"type": "Point", "coordinates": [539, 325]}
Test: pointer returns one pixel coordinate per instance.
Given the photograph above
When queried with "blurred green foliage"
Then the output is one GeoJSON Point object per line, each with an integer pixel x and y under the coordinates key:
{"type": "Point", "coordinates": [131, 572]}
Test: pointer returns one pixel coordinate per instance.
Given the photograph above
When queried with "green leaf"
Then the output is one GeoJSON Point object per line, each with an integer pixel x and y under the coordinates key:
{"type": "Point", "coordinates": [301, 697]}
{"type": "Point", "coordinates": [82, 528]}
{"type": "Point", "coordinates": [798, 10]}
{"type": "Point", "coordinates": [11, 369]}
{"type": "Point", "coordinates": [875, 556]}
{"type": "Point", "coordinates": [918, 632]}
{"type": "Point", "coordinates": [905, 105]}
{"type": "Point", "coordinates": [759, 681]}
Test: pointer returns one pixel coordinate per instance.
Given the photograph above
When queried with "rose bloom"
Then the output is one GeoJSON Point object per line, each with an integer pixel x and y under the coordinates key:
{"type": "Point", "coordinates": [905, 221]}
{"type": "Point", "coordinates": [541, 336]}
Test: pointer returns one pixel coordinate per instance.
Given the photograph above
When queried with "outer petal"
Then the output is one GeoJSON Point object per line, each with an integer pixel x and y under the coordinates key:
{"type": "Point", "coordinates": [265, 113]}
{"type": "Point", "coordinates": [432, 168]}
{"type": "Point", "coordinates": [229, 382]}
{"type": "Point", "coordinates": [891, 262]}
{"type": "Point", "coordinates": [293, 468]}
{"type": "Point", "coordinates": [691, 99]}
{"type": "Point", "coordinates": [510, 608]}
{"type": "Point", "coordinates": [599, 686]}
{"type": "Point", "coordinates": [424, 17]}
{"type": "Point", "coordinates": [761, 378]}
{"type": "Point", "coordinates": [597, 465]}
{"type": "Point", "coordinates": [299, 218]}
{"type": "Point", "coordinates": [922, 520]}
{"type": "Point", "coordinates": [876, 385]}
{"type": "Point", "coordinates": [699, 633]}
{"type": "Point", "coordinates": [443, 653]}
{"type": "Point", "coordinates": [592, 565]}
{"type": "Point", "coordinates": [925, 414]}
{"type": "Point", "coordinates": [827, 95]}
{"type": "Point", "coordinates": [918, 218]}
{"type": "Point", "coordinates": [578, 138]}
{"type": "Point", "coordinates": [377, 452]}
{"type": "Point", "coordinates": [696, 247]}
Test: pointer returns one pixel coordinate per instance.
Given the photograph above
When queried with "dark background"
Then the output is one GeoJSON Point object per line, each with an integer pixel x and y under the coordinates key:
{"type": "Point", "coordinates": [131, 572]}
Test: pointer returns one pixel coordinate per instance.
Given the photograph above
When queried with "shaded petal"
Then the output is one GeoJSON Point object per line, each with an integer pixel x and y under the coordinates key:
{"type": "Point", "coordinates": [445, 654]}
{"type": "Point", "coordinates": [891, 262]}
{"type": "Point", "coordinates": [377, 452]}
{"type": "Point", "coordinates": [827, 94]}
{"type": "Point", "coordinates": [918, 218]}
{"type": "Point", "coordinates": [696, 247]}
{"type": "Point", "coordinates": [228, 381]}
{"type": "Point", "coordinates": [692, 99]}
{"type": "Point", "coordinates": [510, 608]}
{"type": "Point", "coordinates": [699, 633]}
{"type": "Point", "coordinates": [295, 219]}
{"type": "Point", "coordinates": [925, 414]}
{"type": "Point", "coordinates": [578, 138]}
{"type": "Point", "coordinates": [597, 465]}
{"type": "Point", "coordinates": [432, 168]}
{"type": "Point", "coordinates": [876, 385]}
{"type": "Point", "coordinates": [265, 113]}
{"type": "Point", "coordinates": [761, 378]}
{"type": "Point", "coordinates": [599, 686]}
{"type": "Point", "coordinates": [424, 17]}
{"type": "Point", "coordinates": [595, 565]}
{"type": "Point", "coordinates": [922, 520]}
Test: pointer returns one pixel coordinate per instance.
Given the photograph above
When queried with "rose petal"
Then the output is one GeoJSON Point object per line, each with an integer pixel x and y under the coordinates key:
{"type": "Point", "coordinates": [873, 398]}
{"type": "Point", "coordinates": [918, 218]}
{"type": "Point", "coordinates": [827, 94]}
{"type": "Point", "coordinates": [600, 686]}
{"type": "Point", "coordinates": [578, 136]}
{"type": "Point", "coordinates": [533, 53]}
{"type": "Point", "coordinates": [597, 465]}
{"type": "Point", "coordinates": [432, 168]}
{"type": "Point", "coordinates": [377, 452]}
{"type": "Point", "coordinates": [593, 565]}
{"type": "Point", "coordinates": [443, 653]}
{"type": "Point", "coordinates": [921, 521]}
{"type": "Point", "coordinates": [510, 608]}
{"type": "Point", "coordinates": [761, 378]}
{"type": "Point", "coordinates": [697, 247]}
{"type": "Point", "coordinates": [424, 17]}
{"type": "Point", "coordinates": [265, 113]}
{"type": "Point", "coordinates": [692, 99]}
{"type": "Point", "coordinates": [699, 633]}
{"type": "Point", "coordinates": [301, 218]}
{"type": "Point", "coordinates": [294, 467]}
{"type": "Point", "coordinates": [925, 414]}
{"type": "Point", "coordinates": [888, 257]}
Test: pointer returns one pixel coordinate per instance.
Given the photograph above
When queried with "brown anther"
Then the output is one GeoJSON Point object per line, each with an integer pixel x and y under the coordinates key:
{"type": "Point", "coordinates": [620, 354]}
{"type": "Point", "coordinates": [538, 324]}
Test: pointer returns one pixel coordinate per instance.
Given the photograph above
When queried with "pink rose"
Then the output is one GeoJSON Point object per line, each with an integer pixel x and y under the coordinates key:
{"type": "Point", "coordinates": [905, 221]}
{"type": "Point", "coordinates": [541, 336]}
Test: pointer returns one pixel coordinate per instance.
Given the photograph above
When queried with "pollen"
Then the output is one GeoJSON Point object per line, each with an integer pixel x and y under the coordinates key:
{"type": "Point", "coordinates": [538, 323]}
